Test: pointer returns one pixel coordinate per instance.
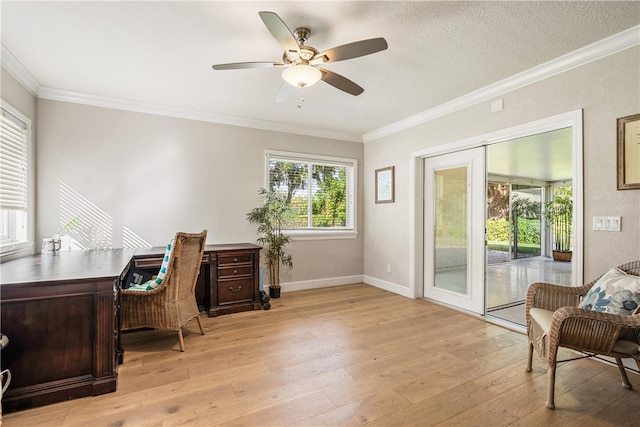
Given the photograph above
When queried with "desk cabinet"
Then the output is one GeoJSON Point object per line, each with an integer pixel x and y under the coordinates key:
{"type": "Point", "coordinates": [235, 281]}
{"type": "Point", "coordinates": [60, 314]}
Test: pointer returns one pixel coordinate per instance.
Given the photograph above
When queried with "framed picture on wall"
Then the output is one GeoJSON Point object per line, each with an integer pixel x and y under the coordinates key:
{"type": "Point", "coordinates": [385, 192]}
{"type": "Point", "coordinates": [629, 152]}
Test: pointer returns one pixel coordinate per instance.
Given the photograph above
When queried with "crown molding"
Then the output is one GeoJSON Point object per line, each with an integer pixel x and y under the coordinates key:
{"type": "Point", "coordinates": [18, 71]}
{"type": "Point", "coordinates": [605, 47]}
{"type": "Point", "coordinates": [593, 52]}
{"type": "Point", "coordinates": [184, 113]}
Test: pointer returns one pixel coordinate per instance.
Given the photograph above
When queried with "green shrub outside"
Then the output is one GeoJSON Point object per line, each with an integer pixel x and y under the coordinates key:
{"type": "Point", "coordinates": [522, 248]}
{"type": "Point", "coordinates": [497, 230]}
{"type": "Point", "coordinates": [528, 231]}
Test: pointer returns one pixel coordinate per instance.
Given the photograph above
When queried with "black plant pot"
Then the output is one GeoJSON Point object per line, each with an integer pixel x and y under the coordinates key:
{"type": "Point", "coordinates": [274, 292]}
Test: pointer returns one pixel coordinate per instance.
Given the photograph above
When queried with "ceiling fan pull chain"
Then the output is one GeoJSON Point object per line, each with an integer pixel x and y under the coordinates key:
{"type": "Point", "coordinates": [301, 97]}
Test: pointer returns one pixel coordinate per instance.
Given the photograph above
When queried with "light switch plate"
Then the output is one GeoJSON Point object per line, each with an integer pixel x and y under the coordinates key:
{"type": "Point", "coordinates": [607, 223]}
{"type": "Point", "coordinates": [597, 223]}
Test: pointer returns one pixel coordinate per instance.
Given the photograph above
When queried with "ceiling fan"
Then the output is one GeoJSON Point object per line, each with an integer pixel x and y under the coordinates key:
{"type": "Point", "coordinates": [301, 61]}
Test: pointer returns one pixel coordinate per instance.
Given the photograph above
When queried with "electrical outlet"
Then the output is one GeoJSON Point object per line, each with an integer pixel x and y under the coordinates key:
{"type": "Point", "coordinates": [388, 268]}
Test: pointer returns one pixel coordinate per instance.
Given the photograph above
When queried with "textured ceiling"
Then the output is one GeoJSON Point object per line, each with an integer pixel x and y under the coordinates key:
{"type": "Point", "coordinates": [160, 53]}
{"type": "Point", "coordinates": [544, 157]}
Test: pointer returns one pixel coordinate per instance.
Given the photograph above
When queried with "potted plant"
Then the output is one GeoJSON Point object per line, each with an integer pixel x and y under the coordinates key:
{"type": "Point", "coordinates": [558, 215]}
{"type": "Point", "coordinates": [272, 217]}
{"type": "Point", "coordinates": [54, 244]}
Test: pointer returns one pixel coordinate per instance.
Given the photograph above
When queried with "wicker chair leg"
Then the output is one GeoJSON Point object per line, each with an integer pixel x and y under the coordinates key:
{"type": "Point", "coordinates": [623, 374]}
{"type": "Point", "coordinates": [200, 324]}
{"type": "Point", "coordinates": [530, 357]}
{"type": "Point", "coordinates": [180, 339]}
{"type": "Point", "coordinates": [551, 373]}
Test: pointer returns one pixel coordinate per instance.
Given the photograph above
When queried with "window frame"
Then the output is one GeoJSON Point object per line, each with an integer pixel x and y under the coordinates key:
{"type": "Point", "coordinates": [12, 250]}
{"type": "Point", "coordinates": [318, 233]}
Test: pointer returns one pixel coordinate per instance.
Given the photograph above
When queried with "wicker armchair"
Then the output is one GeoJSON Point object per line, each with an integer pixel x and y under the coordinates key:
{"type": "Point", "coordinates": [172, 304]}
{"type": "Point", "coordinates": [554, 320]}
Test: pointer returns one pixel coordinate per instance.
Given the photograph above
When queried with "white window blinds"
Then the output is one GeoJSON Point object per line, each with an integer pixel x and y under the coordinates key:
{"type": "Point", "coordinates": [13, 162]}
{"type": "Point", "coordinates": [319, 189]}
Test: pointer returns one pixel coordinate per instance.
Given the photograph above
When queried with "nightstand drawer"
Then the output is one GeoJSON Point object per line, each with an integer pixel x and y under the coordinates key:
{"type": "Point", "coordinates": [233, 291]}
{"type": "Point", "coordinates": [231, 272]}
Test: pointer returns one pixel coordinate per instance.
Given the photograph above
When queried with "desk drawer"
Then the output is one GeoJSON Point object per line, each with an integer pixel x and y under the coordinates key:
{"type": "Point", "coordinates": [237, 271]}
{"type": "Point", "coordinates": [235, 258]}
{"type": "Point", "coordinates": [234, 291]}
{"type": "Point", "coordinates": [154, 262]}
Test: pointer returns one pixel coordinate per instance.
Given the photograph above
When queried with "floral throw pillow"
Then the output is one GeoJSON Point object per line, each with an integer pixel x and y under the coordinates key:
{"type": "Point", "coordinates": [616, 292]}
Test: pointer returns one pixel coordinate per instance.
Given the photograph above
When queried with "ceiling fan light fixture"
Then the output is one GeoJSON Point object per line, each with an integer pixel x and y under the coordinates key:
{"type": "Point", "coordinates": [301, 75]}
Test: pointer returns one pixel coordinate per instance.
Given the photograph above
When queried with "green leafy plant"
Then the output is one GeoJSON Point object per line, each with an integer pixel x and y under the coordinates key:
{"type": "Point", "coordinates": [70, 225]}
{"type": "Point", "coordinates": [558, 215]}
{"type": "Point", "coordinates": [272, 217]}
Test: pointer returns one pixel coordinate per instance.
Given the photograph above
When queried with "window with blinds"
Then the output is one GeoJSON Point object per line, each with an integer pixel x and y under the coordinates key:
{"type": "Point", "coordinates": [321, 190]}
{"type": "Point", "coordinates": [14, 180]}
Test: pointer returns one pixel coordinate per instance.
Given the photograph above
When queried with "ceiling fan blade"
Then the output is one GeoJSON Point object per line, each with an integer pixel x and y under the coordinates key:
{"type": "Point", "coordinates": [244, 65]}
{"type": "Point", "coordinates": [341, 82]}
{"type": "Point", "coordinates": [350, 50]}
{"type": "Point", "coordinates": [280, 31]}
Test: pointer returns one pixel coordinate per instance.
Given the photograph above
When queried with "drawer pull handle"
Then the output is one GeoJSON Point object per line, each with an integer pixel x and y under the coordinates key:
{"type": "Point", "coordinates": [235, 271]}
{"type": "Point", "coordinates": [235, 290]}
{"type": "Point", "coordinates": [235, 260]}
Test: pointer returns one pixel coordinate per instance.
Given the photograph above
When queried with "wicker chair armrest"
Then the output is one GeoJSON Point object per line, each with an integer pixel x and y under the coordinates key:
{"type": "Point", "coordinates": [549, 296]}
{"type": "Point", "coordinates": [588, 330]}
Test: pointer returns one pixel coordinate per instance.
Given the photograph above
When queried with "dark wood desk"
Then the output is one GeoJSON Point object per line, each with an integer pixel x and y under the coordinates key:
{"type": "Point", "coordinates": [61, 315]}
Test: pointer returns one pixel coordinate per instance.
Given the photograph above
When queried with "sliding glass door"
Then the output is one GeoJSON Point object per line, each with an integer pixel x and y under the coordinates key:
{"type": "Point", "coordinates": [454, 229]}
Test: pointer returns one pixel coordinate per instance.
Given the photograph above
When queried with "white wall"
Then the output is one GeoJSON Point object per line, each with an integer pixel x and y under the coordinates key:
{"type": "Point", "coordinates": [604, 89]}
{"type": "Point", "coordinates": [155, 175]}
{"type": "Point", "coordinates": [18, 96]}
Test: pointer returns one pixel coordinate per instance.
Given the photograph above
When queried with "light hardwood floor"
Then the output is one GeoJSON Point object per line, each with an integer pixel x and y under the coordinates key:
{"type": "Point", "coordinates": [343, 356]}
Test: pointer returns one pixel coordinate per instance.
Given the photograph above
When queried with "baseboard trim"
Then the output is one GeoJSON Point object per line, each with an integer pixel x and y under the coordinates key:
{"type": "Point", "coordinates": [320, 283]}
{"type": "Point", "coordinates": [346, 280]}
{"type": "Point", "coordinates": [388, 286]}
